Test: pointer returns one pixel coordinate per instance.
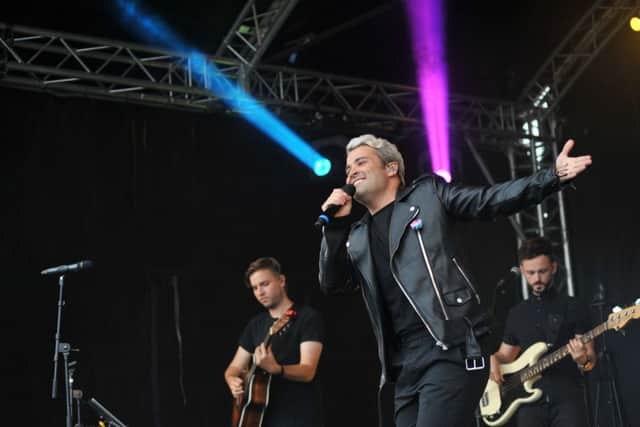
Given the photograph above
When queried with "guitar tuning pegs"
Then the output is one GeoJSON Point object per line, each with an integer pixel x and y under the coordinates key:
{"type": "Point", "coordinates": [616, 309]}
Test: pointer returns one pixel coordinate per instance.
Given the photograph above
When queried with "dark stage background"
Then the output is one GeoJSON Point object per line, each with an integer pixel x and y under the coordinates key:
{"type": "Point", "coordinates": [172, 206]}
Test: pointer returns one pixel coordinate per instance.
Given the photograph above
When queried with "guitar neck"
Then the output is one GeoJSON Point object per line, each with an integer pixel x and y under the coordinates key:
{"type": "Point", "coordinates": [553, 358]}
{"type": "Point", "coordinates": [252, 369]}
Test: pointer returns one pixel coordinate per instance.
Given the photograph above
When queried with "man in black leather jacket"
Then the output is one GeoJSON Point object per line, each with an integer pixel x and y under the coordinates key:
{"type": "Point", "coordinates": [425, 311]}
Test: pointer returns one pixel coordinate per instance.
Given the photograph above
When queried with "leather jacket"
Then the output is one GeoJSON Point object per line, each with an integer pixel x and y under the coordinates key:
{"type": "Point", "coordinates": [423, 255]}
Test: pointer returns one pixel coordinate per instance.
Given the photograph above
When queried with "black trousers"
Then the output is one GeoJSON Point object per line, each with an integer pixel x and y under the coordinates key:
{"type": "Point", "coordinates": [434, 388]}
{"type": "Point", "coordinates": [569, 412]}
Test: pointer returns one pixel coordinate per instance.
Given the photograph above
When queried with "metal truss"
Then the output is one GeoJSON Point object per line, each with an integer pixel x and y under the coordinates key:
{"type": "Point", "coordinates": [567, 62]}
{"type": "Point", "coordinates": [254, 30]}
{"type": "Point", "coordinates": [547, 219]}
{"type": "Point", "coordinates": [543, 94]}
{"type": "Point", "coordinates": [106, 69]}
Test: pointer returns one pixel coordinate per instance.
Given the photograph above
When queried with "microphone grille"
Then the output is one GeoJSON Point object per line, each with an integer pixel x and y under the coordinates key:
{"type": "Point", "coordinates": [350, 189]}
{"type": "Point", "coordinates": [87, 264]}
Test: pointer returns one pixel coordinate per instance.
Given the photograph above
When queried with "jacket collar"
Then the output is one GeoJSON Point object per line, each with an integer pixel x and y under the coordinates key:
{"type": "Point", "coordinates": [402, 194]}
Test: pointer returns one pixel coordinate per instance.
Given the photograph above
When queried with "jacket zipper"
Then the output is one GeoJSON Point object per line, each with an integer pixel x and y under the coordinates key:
{"type": "Point", "coordinates": [437, 340]}
{"type": "Point", "coordinates": [433, 278]}
{"type": "Point", "coordinates": [455, 261]}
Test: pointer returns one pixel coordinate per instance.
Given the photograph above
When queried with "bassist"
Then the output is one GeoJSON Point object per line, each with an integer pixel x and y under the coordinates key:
{"type": "Point", "coordinates": [553, 318]}
{"type": "Point", "coordinates": [291, 358]}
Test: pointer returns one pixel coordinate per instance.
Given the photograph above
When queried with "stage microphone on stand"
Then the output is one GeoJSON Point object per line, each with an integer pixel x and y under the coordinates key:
{"type": "Point", "coordinates": [325, 217]}
{"type": "Point", "coordinates": [69, 268]}
{"type": "Point", "coordinates": [511, 274]}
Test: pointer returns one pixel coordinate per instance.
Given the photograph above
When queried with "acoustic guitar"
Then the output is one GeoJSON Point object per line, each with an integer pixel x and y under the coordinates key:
{"type": "Point", "coordinates": [500, 402]}
{"type": "Point", "coordinates": [248, 409]}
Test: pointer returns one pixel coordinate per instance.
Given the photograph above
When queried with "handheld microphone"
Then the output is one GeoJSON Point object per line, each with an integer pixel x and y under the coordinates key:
{"type": "Point", "coordinates": [513, 273]}
{"type": "Point", "coordinates": [69, 268]}
{"type": "Point", "coordinates": [326, 216]}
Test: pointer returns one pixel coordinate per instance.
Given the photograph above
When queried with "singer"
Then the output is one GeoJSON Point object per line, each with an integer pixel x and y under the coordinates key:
{"type": "Point", "coordinates": [425, 311]}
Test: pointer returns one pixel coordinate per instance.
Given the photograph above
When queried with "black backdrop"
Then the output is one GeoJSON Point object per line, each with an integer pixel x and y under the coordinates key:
{"type": "Point", "coordinates": [150, 194]}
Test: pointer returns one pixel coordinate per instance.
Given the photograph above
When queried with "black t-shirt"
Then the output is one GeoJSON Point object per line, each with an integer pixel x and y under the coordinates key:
{"type": "Point", "coordinates": [555, 319]}
{"type": "Point", "coordinates": [404, 320]}
{"type": "Point", "coordinates": [291, 403]}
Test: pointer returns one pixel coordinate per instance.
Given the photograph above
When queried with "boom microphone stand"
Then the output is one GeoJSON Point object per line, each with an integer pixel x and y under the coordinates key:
{"type": "Point", "coordinates": [607, 372]}
{"type": "Point", "coordinates": [64, 349]}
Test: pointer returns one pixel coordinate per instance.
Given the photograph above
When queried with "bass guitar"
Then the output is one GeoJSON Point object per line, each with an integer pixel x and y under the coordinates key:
{"type": "Point", "coordinates": [248, 409]}
{"type": "Point", "coordinates": [500, 402]}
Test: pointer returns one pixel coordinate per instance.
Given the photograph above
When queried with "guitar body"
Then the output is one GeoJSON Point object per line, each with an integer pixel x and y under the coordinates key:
{"type": "Point", "coordinates": [249, 411]}
{"type": "Point", "coordinates": [499, 403]}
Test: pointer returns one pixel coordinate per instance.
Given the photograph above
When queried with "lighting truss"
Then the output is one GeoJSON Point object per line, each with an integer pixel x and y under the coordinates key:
{"type": "Point", "coordinates": [254, 30]}
{"type": "Point", "coordinates": [581, 45]}
{"type": "Point", "coordinates": [58, 62]}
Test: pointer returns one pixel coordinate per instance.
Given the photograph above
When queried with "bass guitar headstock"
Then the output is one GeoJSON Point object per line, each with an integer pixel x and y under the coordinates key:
{"type": "Point", "coordinates": [621, 316]}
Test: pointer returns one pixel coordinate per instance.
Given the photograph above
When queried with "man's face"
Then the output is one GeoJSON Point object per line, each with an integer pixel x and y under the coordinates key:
{"type": "Point", "coordinates": [366, 171]}
{"type": "Point", "coordinates": [538, 272]}
{"type": "Point", "coordinates": [268, 287]}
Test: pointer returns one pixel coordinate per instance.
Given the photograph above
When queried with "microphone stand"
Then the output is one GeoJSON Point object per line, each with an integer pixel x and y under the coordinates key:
{"type": "Point", "coordinates": [65, 349]}
{"type": "Point", "coordinates": [607, 372]}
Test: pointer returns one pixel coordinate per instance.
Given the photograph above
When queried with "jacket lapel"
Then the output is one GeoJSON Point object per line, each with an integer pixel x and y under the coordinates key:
{"type": "Point", "coordinates": [403, 213]}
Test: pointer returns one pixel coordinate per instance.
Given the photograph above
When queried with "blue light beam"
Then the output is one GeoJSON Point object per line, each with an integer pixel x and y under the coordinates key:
{"type": "Point", "coordinates": [154, 30]}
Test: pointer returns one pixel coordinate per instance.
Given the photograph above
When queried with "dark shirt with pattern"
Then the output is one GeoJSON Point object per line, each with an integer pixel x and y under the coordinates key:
{"type": "Point", "coordinates": [552, 318]}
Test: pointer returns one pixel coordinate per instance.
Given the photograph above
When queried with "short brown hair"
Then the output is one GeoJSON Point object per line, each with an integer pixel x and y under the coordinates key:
{"type": "Point", "coordinates": [535, 247]}
{"type": "Point", "coordinates": [263, 263]}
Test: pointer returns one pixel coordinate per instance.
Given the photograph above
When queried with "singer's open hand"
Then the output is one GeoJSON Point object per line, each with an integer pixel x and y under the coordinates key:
{"type": "Point", "coordinates": [339, 197]}
{"type": "Point", "coordinates": [567, 167]}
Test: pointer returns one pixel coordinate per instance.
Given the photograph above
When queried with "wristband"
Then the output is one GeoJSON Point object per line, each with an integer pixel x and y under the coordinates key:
{"type": "Point", "coordinates": [586, 366]}
{"type": "Point", "coordinates": [282, 370]}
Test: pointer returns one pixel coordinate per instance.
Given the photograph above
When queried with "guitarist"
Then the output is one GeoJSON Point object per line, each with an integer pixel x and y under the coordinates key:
{"type": "Point", "coordinates": [293, 356]}
{"type": "Point", "coordinates": [554, 318]}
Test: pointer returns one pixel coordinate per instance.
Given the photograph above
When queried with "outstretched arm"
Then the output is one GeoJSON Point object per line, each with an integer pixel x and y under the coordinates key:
{"type": "Point", "coordinates": [510, 197]}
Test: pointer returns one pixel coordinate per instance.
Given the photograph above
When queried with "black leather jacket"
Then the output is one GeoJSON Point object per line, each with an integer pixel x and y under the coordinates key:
{"type": "Point", "coordinates": [423, 255]}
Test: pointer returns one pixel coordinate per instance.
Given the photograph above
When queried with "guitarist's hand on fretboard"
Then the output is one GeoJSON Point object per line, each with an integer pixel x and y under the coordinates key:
{"type": "Point", "coordinates": [578, 350]}
{"type": "Point", "coordinates": [264, 358]}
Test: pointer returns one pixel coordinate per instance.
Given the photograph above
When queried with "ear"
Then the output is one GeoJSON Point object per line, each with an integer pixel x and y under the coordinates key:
{"type": "Point", "coordinates": [392, 168]}
{"type": "Point", "coordinates": [554, 267]}
{"type": "Point", "coordinates": [283, 280]}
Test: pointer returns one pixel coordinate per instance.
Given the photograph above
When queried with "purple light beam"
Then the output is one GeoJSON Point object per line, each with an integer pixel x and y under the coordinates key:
{"type": "Point", "coordinates": [427, 29]}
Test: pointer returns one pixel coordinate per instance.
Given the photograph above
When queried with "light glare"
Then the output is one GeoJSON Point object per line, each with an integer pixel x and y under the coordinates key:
{"type": "Point", "coordinates": [211, 78]}
{"type": "Point", "coordinates": [427, 28]}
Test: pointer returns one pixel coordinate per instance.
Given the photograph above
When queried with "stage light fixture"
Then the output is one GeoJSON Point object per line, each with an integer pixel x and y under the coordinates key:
{"type": "Point", "coordinates": [634, 23]}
